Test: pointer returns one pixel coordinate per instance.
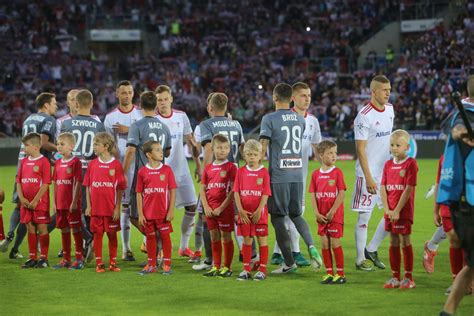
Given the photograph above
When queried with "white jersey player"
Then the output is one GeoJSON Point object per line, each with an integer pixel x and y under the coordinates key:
{"type": "Point", "coordinates": [311, 138]}
{"type": "Point", "coordinates": [372, 128]}
{"type": "Point", "coordinates": [181, 132]}
{"type": "Point", "coordinates": [117, 122]}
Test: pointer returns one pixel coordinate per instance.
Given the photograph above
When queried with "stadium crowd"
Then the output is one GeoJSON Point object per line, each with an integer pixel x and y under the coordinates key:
{"type": "Point", "coordinates": [201, 52]}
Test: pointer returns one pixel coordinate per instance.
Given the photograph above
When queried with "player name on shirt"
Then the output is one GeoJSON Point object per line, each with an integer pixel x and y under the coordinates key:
{"type": "Point", "coordinates": [289, 117]}
{"type": "Point", "coordinates": [227, 123]}
{"type": "Point", "coordinates": [78, 123]}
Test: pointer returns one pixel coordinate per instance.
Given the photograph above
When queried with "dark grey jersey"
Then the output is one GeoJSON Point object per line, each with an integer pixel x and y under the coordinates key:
{"type": "Point", "coordinates": [146, 129]}
{"type": "Point", "coordinates": [40, 123]}
{"type": "Point", "coordinates": [284, 129]}
{"type": "Point", "coordinates": [84, 128]}
{"type": "Point", "coordinates": [229, 128]}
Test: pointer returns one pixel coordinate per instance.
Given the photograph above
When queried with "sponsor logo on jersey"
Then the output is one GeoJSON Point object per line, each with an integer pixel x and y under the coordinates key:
{"type": "Point", "coordinates": [36, 168]}
{"type": "Point", "coordinates": [259, 181]}
{"type": "Point", "coordinates": [112, 172]}
{"type": "Point", "coordinates": [383, 134]}
{"type": "Point", "coordinates": [403, 172]}
{"type": "Point", "coordinates": [69, 170]}
{"type": "Point", "coordinates": [217, 185]}
{"type": "Point", "coordinates": [325, 195]}
{"type": "Point", "coordinates": [64, 182]}
{"type": "Point", "coordinates": [153, 190]}
{"type": "Point", "coordinates": [162, 177]}
{"type": "Point", "coordinates": [291, 163]}
{"type": "Point", "coordinates": [395, 187]}
{"type": "Point", "coordinates": [29, 180]}
{"type": "Point", "coordinates": [223, 174]}
{"type": "Point", "coordinates": [99, 184]}
{"type": "Point", "coordinates": [332, 182]}
{"type": "Point", "coordinates": [251, 193]}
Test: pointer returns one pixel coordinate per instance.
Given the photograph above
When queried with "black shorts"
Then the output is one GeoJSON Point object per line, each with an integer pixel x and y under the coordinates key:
{"type": "Point", "coordinates": [286, 199]}
{"type": "Point", "coordinates": [462, 216]}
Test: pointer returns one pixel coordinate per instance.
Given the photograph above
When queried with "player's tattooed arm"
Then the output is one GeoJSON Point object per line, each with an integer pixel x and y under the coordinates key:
{"type": "Point", "coordinates": [369, 181]}
{"type": "Point", "coordinates": [460, 132]}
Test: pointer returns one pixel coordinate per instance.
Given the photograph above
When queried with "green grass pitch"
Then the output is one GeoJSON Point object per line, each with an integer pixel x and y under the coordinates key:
{"type": "Point", "coordinates": [51, 292]}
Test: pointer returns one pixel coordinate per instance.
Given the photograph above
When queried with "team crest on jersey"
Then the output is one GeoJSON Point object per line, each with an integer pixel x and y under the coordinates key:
{"type": "Point", "coordinates": [162, 177]}
{"type": "Point", "coordinates": [223, 174]}
{"type": "Point", "coordinates": [259, 181]}
{"type": "Point", "coordinates": [402, 173]}
{"type": "Point", "coordinates": [112, 172]}
{"type": "Point", "coordinates": [69, 170]}
{"type": "Point", "coordinates": [36, 168]}
{"type": "Point", "coordinates": [332, 182]}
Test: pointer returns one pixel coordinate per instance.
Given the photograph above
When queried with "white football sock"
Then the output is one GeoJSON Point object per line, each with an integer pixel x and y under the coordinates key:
{"type": "Point", "coordinates": [125, 229]}
{"type": "Point", "coordinates": [438, 236]}
{"type": "Point", "coordinates": [361, 235]}
{"type": "Point", "coordinates": [186, 229]}
{"type": "Point", "coordinates": [378, 237]}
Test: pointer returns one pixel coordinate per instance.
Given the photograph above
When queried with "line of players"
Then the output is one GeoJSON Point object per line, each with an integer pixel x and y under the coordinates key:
{"type": "Point", "coordinates": [372, 131]}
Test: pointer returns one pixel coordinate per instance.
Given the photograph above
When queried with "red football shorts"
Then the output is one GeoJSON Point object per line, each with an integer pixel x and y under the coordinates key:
{"type": "Point", "coordinates": [161, 225]}
{"type": "Point", "coordinates": [101, 224]}
{"type": "Point", "coordinates": [447, 224]}
{"type": "Point", "coordinates": [224, 222]}
{"type": "Point", "coordinates": [402, 226]}
{"type": "Point", "coordinates": [65, 219]}
{"type": "Point", "coordinates": [251, 230]}
{"type": "Point", "coordinates": [35, 217]}
{"type": "Point", "coordinates": [331, 229]}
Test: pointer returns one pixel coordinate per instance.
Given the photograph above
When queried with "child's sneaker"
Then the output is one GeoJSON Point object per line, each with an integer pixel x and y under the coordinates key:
{"type": "Point", "coordinates": [196, 258]}
{"type": "Point", "coordinates": [259, 276]}
{"type": "Point", "coordinates": [113, 267]}
{"type": "Point", "coordinates": [77, 265]}
{"type": "Point", "coordinates": [100, 268]}
{"type": "Point", "coordinates": [244, 276]}
{"type": "Point", "coordinates": [428, 259]}
{"type": "Point", "coordinates": [30, 263]}
{"type": "Point", "coordinates": [62, 264]}
{"type": "Point", "coordinates": [212, 273]}
{"type": "Point", "coordinates": [42, 263]}
{"type": "Point", "coordinates": [392, 284]}
{"type": "Point", "coordinates": [338, 279]}
{"type": "Point", "coordinates": [315, 257]}
{"type": "Point", "coordinates": [327, 279]}
{"type": "Point", "coordinates": [407, 284]}
{"type": "Point", "coordinates": [224, 273]}
{"type": "Point", "coordinates": [167, 270]}
{"type": "Point", "coordinates": [147, 270]}
{"type": "Point", "coordinates": [186, 253]}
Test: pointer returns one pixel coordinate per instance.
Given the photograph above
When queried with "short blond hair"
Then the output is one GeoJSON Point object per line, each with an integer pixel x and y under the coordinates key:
{"type": "Point", "coordinates": [68, 137]}
{"type": "Point", "coordinates": [377, 80]}
{"type": "Point", "coordinates": [163, 88]}
{"type": "Point", "coordinates": [401, 134]}
{"type": "Point", "coordinates": [107, 140]}
{"type": "Point", "coordinates": [325, 145]}
{"type": "Point", "coordinates": [252, 145]}
{"type": "Point", "coordinates": [219, 101]}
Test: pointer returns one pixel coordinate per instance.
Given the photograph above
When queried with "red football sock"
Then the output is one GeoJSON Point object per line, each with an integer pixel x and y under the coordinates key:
{"type": "Point", "coordinates": [395, 261]}
{"type": "Point", "coordinates": [228, 253]}
{"type": "Point", "coordinates": [408, 261]}
{"type": "Point", "coordinates": [167, 248]}
{"type": "Point", "coordinates": [98, 247]}
{"type": "Point", "coordinates": [78, 243]}
{"type": "Point", "coordinates": [339, 256]}
{"type": "Point", "coordinates": [151, 249]}
{"type": "Point", "coordinates": [33, 246]}
{"type": "Point", "coordinates": [327, 258]}
{"type": "Point", "coordinates": [247, 256]}
{"type": "Point", "coordinates": [456, 260]}
{"type": "Point", "coordinates": [44, 245]}
{"type": "Point", "coordinates": [113, 243]}
{"type": "Point", "coordinates": [263, 258]}
{"type": "Point", "coordinates": [66, 241]}
{"type": "Point", "coordinates": [217, 253]}
{"type": "Point", "coordinates": [2, 232]}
